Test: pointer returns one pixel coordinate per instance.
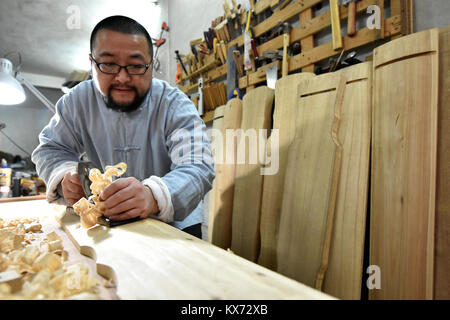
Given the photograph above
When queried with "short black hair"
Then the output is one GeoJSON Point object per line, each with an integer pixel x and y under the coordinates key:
{"type": "Point", "coordinates": [124, 25]}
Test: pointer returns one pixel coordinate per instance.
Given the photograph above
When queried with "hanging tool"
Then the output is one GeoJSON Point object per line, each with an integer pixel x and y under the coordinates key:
{"type": "Point", "coordinates": [248, 43]}
{"type": "Point", "coordinates": [200, 95]}
{"type": "Point", "coordinates": [336, 25]}
{"type": "Point", "coordinates": [181, 61]}
{"type": "Point", "coordinates": [286, 40]}
{"type": "Point", "coordinates": [351, 20]}
{"type": "Point", "coordinates": [269, 56]}
{"type": "Point", "coordinates": [159, 42]}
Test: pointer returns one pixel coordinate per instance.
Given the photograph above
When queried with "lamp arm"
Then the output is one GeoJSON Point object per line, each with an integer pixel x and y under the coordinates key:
{"type": "Point", "coordinates": [36, 92]}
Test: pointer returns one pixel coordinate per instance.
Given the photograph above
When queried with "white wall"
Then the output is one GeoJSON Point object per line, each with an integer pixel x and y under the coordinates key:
{"type": "Point", "coordinates": [188, 19]}
{"type": "Point", "coordinates": [25, 121]}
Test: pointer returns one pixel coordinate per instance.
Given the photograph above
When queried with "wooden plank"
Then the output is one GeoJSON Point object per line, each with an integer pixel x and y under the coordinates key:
{"type": "Point", "coordinates": [217, 152]}
{"type": "Point", "coordinates": [325, 51]}
{"type": "Point", "coordinates": [307, 43]}
{"type": "Point", "coordinates": [281, 15]}
{"type": "Point", "coordinates": [312, 175]}
{"type": "Point", "coordinates": [220, 213]}
{"type": "Point", "coordinates": [363, 37]}
{"type": "Point", "coordinates": [442, 259]}
{"type": "Point", "coordinates": [404, 165]}
{"type": "Point", "coordinates": [256, 115]}
{"type": "Point", "coordinates": [336, 25]}
{"type": "Point", "coordinates": [345, 270]}
{"type": "Point", "coordinates": [313, 26]}
{"type": "Point", "coordinates": [284, 117]}
{"type": "Point", "coordinates": [27, 198]}
{"type": "Point", "coordinates": [208, 116]}
{"type": "Point", "coordinates": [262, 5]}
{"type": "Point", "coordinates": [181, 266]}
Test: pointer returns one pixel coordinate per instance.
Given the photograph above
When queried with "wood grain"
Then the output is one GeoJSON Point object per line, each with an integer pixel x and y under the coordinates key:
{"type": "Point", "coordinates": [345, 269]}
{"type": "Point", "coordinates": [217, 152]}
{"type": "Point", "coordinates": [150, 259]}
{"type": "Point", "coordinates": [442, 258]}
{"type": "Point", "coordinates": [220, 213]}
{"type": "Point", "coordinates": [256, 116]}
{"type": "Point", "coordinates": [311, 177]}
{"type": "Point", "coordinates": [284, 118]}
{"type": "Point", "coordinates": [404, 165]}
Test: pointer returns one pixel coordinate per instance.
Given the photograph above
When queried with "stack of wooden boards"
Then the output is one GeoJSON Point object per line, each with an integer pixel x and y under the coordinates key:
{"type": "Point", "coordinates": [308, 220]}
{"type": "Point", "coordinates": [214, 95]}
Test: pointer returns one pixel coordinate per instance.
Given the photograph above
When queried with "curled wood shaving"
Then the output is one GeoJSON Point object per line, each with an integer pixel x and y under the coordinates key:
{"type": "Point", "coordinates": [88, 212]}
{"type": "Point", "coordinates": [41, 267]}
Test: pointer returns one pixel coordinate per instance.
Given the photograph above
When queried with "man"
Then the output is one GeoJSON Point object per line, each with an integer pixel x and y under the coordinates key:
{"type": "Point", "coordinates": [123, 115]}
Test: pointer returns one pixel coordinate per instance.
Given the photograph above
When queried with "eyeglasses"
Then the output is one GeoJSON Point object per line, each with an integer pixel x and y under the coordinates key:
{"type": "Point", "coordinates": [112, 68]}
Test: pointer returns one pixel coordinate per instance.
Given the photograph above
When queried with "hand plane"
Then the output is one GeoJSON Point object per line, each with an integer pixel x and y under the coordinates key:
{"type": "Point", "coordinates": [83, 172]}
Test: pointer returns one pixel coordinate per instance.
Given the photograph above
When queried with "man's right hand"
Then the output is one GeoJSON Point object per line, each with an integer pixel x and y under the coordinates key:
{"type": "Point", "coordinates": [71, 187]}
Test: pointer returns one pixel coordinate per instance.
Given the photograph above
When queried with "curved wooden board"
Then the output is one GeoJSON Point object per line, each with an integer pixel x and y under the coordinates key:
{"type": "Point", "coordinates": [344, 274]}
{"type": "Point", "coordinates": [256, 115]}
{"type": "Point", "coordinates": [312, 175]}
{"type": "Point", "coordinates": [220, 213]}
{"type": "Point", "coordinates": [404, 165]}
{"type": "Point", "coordinates": [284, 117]}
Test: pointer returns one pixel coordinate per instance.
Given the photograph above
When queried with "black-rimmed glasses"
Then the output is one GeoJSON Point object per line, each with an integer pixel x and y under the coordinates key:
{"type": "Point", "coordinates": [113, 68]}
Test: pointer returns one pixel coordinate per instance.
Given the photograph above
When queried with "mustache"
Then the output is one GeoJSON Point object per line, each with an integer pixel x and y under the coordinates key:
{"type": "Point", "coordinates": [117, 86]}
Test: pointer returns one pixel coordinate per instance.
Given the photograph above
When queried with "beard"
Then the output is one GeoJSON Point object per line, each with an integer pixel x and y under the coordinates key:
{"type": "Point", "coordinates": [124, 107]}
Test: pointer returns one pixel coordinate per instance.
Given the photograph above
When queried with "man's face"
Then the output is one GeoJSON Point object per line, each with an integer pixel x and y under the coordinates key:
{"type": "Point", "coordinates": [121, 91]}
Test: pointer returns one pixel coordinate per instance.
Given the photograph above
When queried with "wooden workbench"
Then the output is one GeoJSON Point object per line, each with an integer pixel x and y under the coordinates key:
{"type": "Point", "coordinates": [149, 259]}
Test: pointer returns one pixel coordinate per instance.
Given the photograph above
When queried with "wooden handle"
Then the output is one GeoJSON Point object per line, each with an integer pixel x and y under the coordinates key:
{"type": "Point", "coordinates": [351, 28]}
{"type": "Point", "coordinates": [238, 61]}
{"type": "Point", "coordinates": [285, 66]}
{"type": "Point", "coordinates": [336, 25]}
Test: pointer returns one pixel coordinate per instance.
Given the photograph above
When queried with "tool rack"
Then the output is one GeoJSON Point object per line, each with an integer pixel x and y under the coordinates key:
{"type": "Point", "coordinates": [213, 67]}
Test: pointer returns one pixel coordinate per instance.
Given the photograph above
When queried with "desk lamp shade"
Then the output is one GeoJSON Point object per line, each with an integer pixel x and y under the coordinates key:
{"type": "Point", "coordinates": [11, 91]}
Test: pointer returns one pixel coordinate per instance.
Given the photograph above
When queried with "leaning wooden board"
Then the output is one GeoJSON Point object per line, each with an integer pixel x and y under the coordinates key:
{"type": "Point", "coordinates": [150, 259]}
{"type": "Point", "coordinates": [442, 259]}
{"type": "Point", "coordinates": [256, 116]}
{"type": "Point", "coordinates": [343, 278]}
{"type": "Point", "coordinates": [406, 75]}
{"type": "Point", "coordinates": [220, 214]}
{"type": "Point", "coordinates": [285, 113]}
{"type": "Point", "coordinates": [216, 149]}
{"type": "Point", "coordinates": [312, 176]}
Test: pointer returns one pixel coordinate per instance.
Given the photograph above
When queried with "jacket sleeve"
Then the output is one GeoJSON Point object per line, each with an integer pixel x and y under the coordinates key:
{"type": "Point", "coordinates": [58, 150]}
{"type": "Point", "coordinates": [192, 168]}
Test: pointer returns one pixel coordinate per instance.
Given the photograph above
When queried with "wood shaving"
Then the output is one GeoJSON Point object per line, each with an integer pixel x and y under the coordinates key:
{"type": "Point", "coordinates": [88, 212]}
{"type": "Point", "coordinates": [40, 266]}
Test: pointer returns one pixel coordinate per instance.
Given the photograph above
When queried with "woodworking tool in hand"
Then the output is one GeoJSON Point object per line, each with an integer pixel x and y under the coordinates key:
{"type": "Point", "coordinates": [83, 172]}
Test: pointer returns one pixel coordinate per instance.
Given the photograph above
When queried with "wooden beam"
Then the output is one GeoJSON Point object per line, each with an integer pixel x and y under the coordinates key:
{"type": "Point", "coordinates": [325, 51]}
{"type": "Point", "coordinates": [315, 25]}
{"type": "Point", "coordinates": [306, 44]}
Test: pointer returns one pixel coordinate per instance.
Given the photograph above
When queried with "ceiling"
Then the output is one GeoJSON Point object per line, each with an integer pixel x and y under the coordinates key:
{"type": "Point", "coordinates": [53, 36]}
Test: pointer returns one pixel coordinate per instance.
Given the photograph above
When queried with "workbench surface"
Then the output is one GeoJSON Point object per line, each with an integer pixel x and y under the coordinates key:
{"type": "Point", "coordinates": [150, 259]}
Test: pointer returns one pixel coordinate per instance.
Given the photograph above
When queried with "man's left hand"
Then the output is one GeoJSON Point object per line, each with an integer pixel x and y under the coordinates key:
{"type": "Point", "coordinates": [127, 198]}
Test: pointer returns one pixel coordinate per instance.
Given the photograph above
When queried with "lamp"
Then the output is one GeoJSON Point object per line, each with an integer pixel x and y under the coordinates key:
{"type": "Point", "coordinates": [11, 90]}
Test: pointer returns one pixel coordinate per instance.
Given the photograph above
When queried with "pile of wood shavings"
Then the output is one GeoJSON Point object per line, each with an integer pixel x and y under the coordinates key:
{"type": "Point", "coordinates": [39, 261]}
